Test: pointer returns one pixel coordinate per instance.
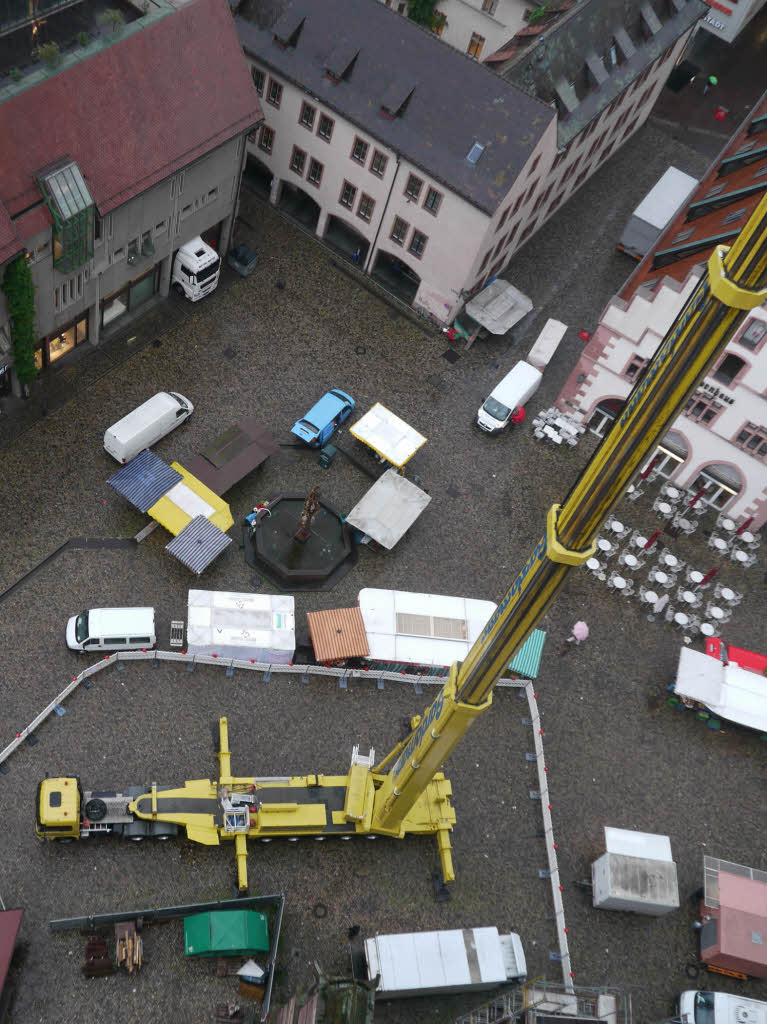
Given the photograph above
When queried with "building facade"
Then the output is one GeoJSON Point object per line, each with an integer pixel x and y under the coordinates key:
{"type": "Point", "coordinates": [719, 443]}
{"type": "Point", "coordinates": [431, 170]}
{"type": "Point", "coordinates": [99, 201]}
{"type": "Point", "coordinates": [475, 27]}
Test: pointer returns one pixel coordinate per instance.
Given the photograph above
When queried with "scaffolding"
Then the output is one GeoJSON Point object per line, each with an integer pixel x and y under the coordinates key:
{"type": "Point", "coordinates": [544, 1002]}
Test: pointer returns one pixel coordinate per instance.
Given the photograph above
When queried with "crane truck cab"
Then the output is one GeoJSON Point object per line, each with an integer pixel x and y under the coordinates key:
{"type": "Point", "coordinates": [64, 811]}
{"type": "Point", "coordinates": [196, 269]}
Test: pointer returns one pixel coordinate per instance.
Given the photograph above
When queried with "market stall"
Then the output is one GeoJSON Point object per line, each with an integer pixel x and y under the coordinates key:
{"type": "Point", "coordinates": [388, 510]}
{"type": "Point", "coordinates": [390, 438]}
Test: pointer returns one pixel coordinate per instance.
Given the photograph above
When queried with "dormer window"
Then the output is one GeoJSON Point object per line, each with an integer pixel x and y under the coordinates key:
{"type": "Point", "coordinates": [396, 98]}
{"type": "Point", "coordinates": [341, 61]}
{"type": "Point", "coordinates": [287, 31]}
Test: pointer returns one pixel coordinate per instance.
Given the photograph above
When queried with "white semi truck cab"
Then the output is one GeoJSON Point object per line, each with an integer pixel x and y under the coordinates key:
{"type": "Point", "coordinates": [196, 269]}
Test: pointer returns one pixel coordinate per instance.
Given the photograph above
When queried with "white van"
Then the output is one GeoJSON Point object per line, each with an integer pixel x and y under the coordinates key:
{"type": "Point", "coordinates": [516, 388]}
{"type": "Point", "coordinates": [196, 269]}
{"type": "Point", "coordinates": [146, 425]}
{"type": "Point", "coordinates": [696, 1007]}
{"type": "Point", "coordinates": [111, 629]}
{"type": "Point", "coordinates": [546, 344]}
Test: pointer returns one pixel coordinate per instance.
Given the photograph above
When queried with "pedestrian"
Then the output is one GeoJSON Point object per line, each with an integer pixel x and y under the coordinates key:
{"type": "Point", "coordinates": [580, 631]}
{"type": "Point", "coordinates": [518, 416]}
{"type": "Point", "coordinates": [711, 81]}
{"type": "Point", "coordinates": [356, 256]}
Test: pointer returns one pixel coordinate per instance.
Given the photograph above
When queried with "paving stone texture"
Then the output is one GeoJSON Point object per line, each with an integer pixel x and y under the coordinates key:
{"type": "Point", "coordinates": [617, 754]}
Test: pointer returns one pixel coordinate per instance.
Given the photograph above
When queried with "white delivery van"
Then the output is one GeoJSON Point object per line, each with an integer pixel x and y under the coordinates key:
{"type": "Point", "coordinates": [196, 269]}
{"type": "Point", "coordinates": [146, 425]}
{"type": "Point", "coordinates": [516, 388]}
{"type": "Point", "coordinates": [438, 963]}
{"type": "Point", "coordinates": [111, 629]}
{"type": "Point", "coordinates": [546, 344]}
{"type": "Point", "coordinates": [698, 1007]}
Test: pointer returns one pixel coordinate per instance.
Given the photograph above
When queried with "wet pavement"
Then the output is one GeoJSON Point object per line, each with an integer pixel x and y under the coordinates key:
{"type": "Point", "coordinates": [617, 753]}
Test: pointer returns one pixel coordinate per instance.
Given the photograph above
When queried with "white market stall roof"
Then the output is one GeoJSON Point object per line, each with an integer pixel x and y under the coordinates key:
{"type": "Point", "coordinates": [388, 435]}
{"type": "Point", "coordinates": [726, 690]}
{"type": "Point", "coordinates": [421, 629]}
{"type": "Point", "coordinates": [230, 625]}
{"type": "Point", "coordinates": [499, 306]}
{"type": "Point", "coordinates": [389, 508]}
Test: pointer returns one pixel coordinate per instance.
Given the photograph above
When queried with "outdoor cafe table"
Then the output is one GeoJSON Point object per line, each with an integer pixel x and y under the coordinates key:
{"type": "Point", "coordinates": [619, 583]}
{"type": "Point", "coordinates": [696, 577]}
{"type": "Point", "coordinates": [671, 492]}
{"type": "Point", "coordinates": [593, 564]}
{"type": "Point", "coordinates": [604, 545]}
{"type": "Point", "coordinates": [740, 556]}
{"type": "Point", "coordinates": [631, 561]}
{"type": "Point", "coordinates": [727, 594]}
{"type": "Point", "coordinates": [689, 597]}
{"type": "Point", "coordinates": [706, 629]}
{"type": "Point", "coordinates": [728, 524]}
{"type": "Point", "coordinates": [719, 544]}
{"type": "Point", "coordinates": [670, 560]}
{"type": "Point", "coordinates": [681, 619]}
{"type": "Point", "coordinates": [650, 597]}
{"type": "Point", "coordinates": [659, 576]}
{"type": "Point", "coordinates": [664, 508]}
{"type": "Point", "coordinates": [747, 537]}
{"type": "Point", "coordinates": [616, 527]}
{"type": "Point", "coordinates": [716, 613]}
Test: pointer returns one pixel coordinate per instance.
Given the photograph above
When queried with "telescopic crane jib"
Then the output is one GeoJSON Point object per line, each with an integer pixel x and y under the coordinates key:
{"type": "Point", "coordinates": [406, 793]}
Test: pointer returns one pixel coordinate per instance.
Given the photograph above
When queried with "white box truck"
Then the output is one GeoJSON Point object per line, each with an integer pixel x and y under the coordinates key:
{"type": "Point", "coordinates": [196, 269]}
{"type": "Point", "coordinates": [438, 963]}
{"type": "Point", "coordinates": [700, 1007]}
{"type": "Point", "coordinates": [243, 626]}
{"type": "Point", "coordinates": [655, 212]}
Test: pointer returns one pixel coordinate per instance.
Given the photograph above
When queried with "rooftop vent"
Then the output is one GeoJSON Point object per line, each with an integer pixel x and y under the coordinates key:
{"type": "Point", "coordinates": [339, 64]}
{"type": "Point", "coordinates": [287, 30]}
{"type": "Point", "coordinates": [475, 152]}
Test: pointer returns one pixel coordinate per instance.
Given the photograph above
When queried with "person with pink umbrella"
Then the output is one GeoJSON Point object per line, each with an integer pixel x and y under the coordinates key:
{"type": "Point", "coordinates": [580, 631]}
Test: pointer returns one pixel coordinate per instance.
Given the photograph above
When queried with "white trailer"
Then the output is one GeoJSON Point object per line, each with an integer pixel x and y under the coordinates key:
{"type": "Point", "coordinates": [229, 625]}
{"type": "Point", "coordinates": [729, 691]}
{"type": "Point", "coordinates": [656, 211]}
{"type": "Point", "coordinates": [546, 344]}
{"type": "Point", "coordinates": [636, 873]}
{"type": "Point", "coordinates": [438, 963]}
{"type": "Point", "coordinates": [421, 629]}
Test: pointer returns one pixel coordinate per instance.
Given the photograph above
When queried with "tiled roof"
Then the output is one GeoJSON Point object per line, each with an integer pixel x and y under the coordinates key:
{"type": "Point", "coordinates": [10, 243]}
{"type": "Point", "coordinates": [338, 634]}
{"type": "Point", "coordinates": [455, 101]}
{"type": "Point", "coordinates": [134, 113]}
{"type": "Point", "coordinates": [734, 184]}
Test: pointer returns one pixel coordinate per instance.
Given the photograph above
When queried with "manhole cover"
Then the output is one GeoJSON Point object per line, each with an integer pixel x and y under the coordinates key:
{"type": "Point", "coordinates": [229, 352]}
{"type": "Point", "coordinates": [453, 492]}
{"type": "Point", "coordinates": [451, 356]}
{"type": "Point", "coordinates": [360, 350]}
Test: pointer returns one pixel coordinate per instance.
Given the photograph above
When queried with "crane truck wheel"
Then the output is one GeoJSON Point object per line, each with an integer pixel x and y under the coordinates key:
{"type": "Point", "coordinates": [95, 809]}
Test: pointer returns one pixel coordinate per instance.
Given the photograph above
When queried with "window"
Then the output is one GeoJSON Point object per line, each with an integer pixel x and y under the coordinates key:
{"type": "Point", "coordinates": [160, 228]}
{"type": "Point", "coordinates": [753, 439]}
{"type": "Point", "coordinates": [702, 409]}
{"type": "Point", "coordinates": [537, 160]}
{"type": "Point", "coordinates": [753, 335]}
{"type": "Point", "coordinates": [348, 192]}
{"type": "Point", "coordinates": [55, 298]}
{"type": "Point", "coordinates": [502, 221]}
{"type": "Point", "coordinates": [728, 369]}
{"type": "Point", "coordinates": [417, 243]}
{"type": "Point", "coordinates": [489, 6]}
{"type": "Point", "coordinates": [307, 116]}
{"type": "Point", "coordinates": [258, 80]}
{"type": "Point", "coordinates": [720, 488]}
{"type": "Point", "coordinates": [433, 201]}
{"type": "Point", "coordinates": [511, 234]}
{"type": "Point", "coordinates": [399, 231]}
{"type": "Point", "coordinates": [635, 367]}
{"type": "Point", "coordinates": [517, 204]}
{"type": "Point", "coordinates": [475, 45]}
{"type": "Point", "coordinates": [266, 139]}
{"type": "Point", "coordinates": [275, 93]}
{"type": "Point", "coordinates": [605, 415]}
{"type": "Point", "coordinates": [735, 215]}
{"type": "Point", "coordinates": [359, 151]}
{"type": "Point", "coordinates": [413, 187]}
{"type": "Point", "coordinates": [499, 247]}
{"type": "Point", "coordinates": [325, 127]}
{"type": "Point", "coordinates": [378, 163]}
{"type": "Point", "coordinates": [315, 172]}
{"type": "Point", "coordinates": [297, 161]}
{"type": "Point", "coordinates": [365, 209]}
{"type": "Point", "coordinates": [439, 22]}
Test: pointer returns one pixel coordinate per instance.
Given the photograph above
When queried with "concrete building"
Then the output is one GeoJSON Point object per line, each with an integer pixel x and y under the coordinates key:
{"type": "Point", "coordinates": [427, 168]}
{"type": "Point", "coordinates": [720, 441]}
{"type": "Point", "coordinates": [475, 27]}
{"type": "Point", "coordinates": [112, 162]}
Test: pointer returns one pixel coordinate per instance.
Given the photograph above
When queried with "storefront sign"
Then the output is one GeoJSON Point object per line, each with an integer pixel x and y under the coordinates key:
{"type": "Point", "coordinates": [716, 392]}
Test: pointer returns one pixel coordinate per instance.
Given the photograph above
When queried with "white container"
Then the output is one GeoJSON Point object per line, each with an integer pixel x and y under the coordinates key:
{"type": "Point", "coordinates": [437, 963]}
{"type": "Point", "coordinates": [546, 344]}
{"type": "Point", "coordinates": [516, 388]}
{"type": "Point", "coordinates": [245, 626]}
{"type": "Point", "coordinates": [636, 873]}
{"type": "Point", "coordinates": [111, 629]}
{"type": "Point", "coordinates": [146, 425]}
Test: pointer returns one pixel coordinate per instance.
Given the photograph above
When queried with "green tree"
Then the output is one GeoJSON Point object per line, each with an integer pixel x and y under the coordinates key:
{"type": "Point", "coordinates": [49, 54]}
{"type": "Point", "coordinates": [421, 12]}
{"type": "Point", "coordinates": [111, 18]}
{"type": "Point", "coordinates": [19, 291]}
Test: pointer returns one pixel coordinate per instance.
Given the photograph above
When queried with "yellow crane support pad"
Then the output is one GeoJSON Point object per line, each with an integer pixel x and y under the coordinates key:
{"type": "Point", "coordinates": [356, 791]}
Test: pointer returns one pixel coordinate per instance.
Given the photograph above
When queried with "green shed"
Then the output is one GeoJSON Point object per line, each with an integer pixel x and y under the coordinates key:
{"type": "Point", "coordinates": [226, 933]}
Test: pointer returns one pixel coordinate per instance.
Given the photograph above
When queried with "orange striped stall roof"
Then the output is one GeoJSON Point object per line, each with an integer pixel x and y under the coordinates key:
{"type": "Point", "coordinates": [338, 634]}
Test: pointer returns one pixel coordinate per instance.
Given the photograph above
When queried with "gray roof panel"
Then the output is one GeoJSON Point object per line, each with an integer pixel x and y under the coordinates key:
{"type": "Point", "coordinates": [456, 100]}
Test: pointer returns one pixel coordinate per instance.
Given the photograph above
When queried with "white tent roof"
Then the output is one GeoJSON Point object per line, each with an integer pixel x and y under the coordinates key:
{"type": "Point", "coordinates": [499, 306]}
{"type": "Point", "coordinates": [389, 508]}
{"type": "Point", "coordinates": [726, 690]}
{"type": "Point", "coordinates": [387, 434]}
{"type": "Point", "coordinates": [421, 629]}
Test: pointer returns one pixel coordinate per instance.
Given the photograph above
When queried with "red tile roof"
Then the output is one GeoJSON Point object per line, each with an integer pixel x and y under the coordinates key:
{"type": "Point", "coordinates": [711, 224]}
{"type": "Point", "coordinates": [135, 112]}
{"type": "Point", "coordinates": [10, 243]}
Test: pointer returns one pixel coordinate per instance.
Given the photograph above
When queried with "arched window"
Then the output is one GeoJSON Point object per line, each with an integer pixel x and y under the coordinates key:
{"type": "Point", "coordinates": [605, 415]}
{"type": "Point", "coordinates": [670, 454]}
{"type": "Point", "coordinates": [720, 484]}
{"type": "Point", "coordinates": [729, 368]}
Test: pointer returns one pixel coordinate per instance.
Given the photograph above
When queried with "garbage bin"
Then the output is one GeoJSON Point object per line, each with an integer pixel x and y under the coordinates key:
{"type": "Point", "coordinates": [327, 454]}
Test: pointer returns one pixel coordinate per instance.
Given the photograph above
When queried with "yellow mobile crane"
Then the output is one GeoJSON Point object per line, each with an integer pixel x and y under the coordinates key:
{"type": "Point", "coordinates": [413, 796]}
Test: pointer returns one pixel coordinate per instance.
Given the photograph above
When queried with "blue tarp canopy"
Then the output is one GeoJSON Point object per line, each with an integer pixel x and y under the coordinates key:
{"type": "Point", "coordinates": [144, 480]}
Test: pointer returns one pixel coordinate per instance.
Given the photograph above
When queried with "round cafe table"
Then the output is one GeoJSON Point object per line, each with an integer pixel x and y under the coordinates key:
{"type": "Point", "coordinates": [727, 594]}
{"type": "Point", "coordinates": [697, 577]}
{"type": "Point", "coordinates": [681, 619]}
{"type": "Point", "coordinates": [719, 544]}
{"type": "Point", "coordinates": [728, 524]}
{"type": "Point", "coordinates": [716, 613]}
{"type": "Point", "coordinates": [631, 561]}
{"type": "Point", "coordinates": [640, 542]}
{"type": "Point", "coordinates": [619, 583]}
{"type": "Point", "coordinates": [593, 564]}
{"type": "Point", "coordinates": [660, 577]}
{"type": "Point", "coordinates": [671, 561]}
{"type": "Point", "coordinates": [604, 545]}
{"type": "Point", "coordinates": [747, 537]}
{"type": "Point", "coordinates": [706, 629]}
{"type": "Point", "coordinates": [664, 508]}
{"type": "Point", "coordinates": [616, 527]}
{"type": "Point", "coordinates": [671, 492]}
{"type": "Point", "coordinates": [650, 596]}
{"type": "Point", "coordinates": [689, 597]}
{"type": "Point", "coordinates": [740, 556]}
{"type": "Point", "coordinates": [685, 524]}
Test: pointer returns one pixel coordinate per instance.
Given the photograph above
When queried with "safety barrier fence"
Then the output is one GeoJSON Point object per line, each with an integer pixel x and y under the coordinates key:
{"type": "Point", "coordinates": [304, 672]}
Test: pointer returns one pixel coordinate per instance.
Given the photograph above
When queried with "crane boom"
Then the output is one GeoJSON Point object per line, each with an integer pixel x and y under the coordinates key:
{"type": "Point", "coordinates": [736, 282]}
